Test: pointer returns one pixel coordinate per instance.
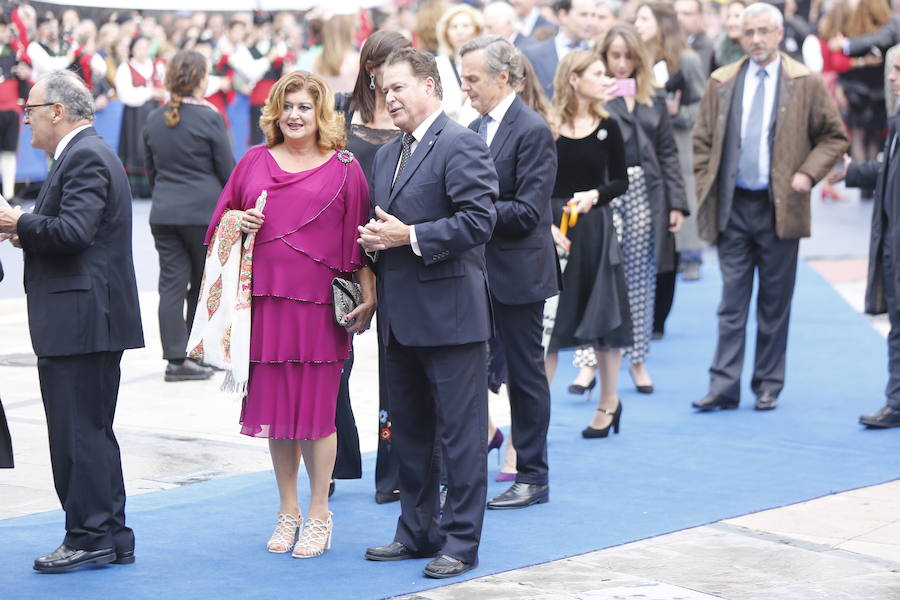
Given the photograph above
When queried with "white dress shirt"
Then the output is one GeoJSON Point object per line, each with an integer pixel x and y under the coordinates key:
{"type": "Point", "coordinates": [418, 134]}
{"type": "Point", "coordinates": [497, 113]}
{"type": "Point", "coordinates": [66, 139]}
{"type": "Point", "coordinates": [562, 42]}
{"type": "Point", "coordinates": [751, 81]}
{"type": "Point", "coordinates": [530, 21]}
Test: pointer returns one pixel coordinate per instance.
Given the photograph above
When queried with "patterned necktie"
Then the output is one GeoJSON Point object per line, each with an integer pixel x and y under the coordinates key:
{"type": "Point", "coordinates": [483, 127]}
{"type": "Point", "coordinates": [405, 152]}
{"type": "Point", "coordinates": [748, 165]}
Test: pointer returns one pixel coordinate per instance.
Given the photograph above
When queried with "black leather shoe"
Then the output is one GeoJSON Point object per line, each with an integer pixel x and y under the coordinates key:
{"type": "Point", "coordinates": [714, 401]}
{"type": "Point", "coordinates": [331, 489]}
{"type": "Point", "coordinates": [885, 417]}
{"type": "Point", "coordinates": [124, 557]}
{"type": "Point", "coordinates": [393, 551]}
{"type": "Point", "coordinates": [446, 566]}
{"type": "Point", "coordinates": [766, 401]}
{"type": "Point", "coordinates": [521, 495]}
{"type": "Point", "coordinates": [386, 497]}
{"type": "Point", "coordinates": [65, 559]}
{"type": "Point", "coordinates": [188, 370]}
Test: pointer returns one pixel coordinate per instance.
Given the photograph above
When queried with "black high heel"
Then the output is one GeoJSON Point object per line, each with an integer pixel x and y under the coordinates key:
{"type": "Point", "coordinates": [641, 389]}
{"type": "Point", "coordinates": [578, 390]}
{"type": "Point", "coordinates": [589, 432]}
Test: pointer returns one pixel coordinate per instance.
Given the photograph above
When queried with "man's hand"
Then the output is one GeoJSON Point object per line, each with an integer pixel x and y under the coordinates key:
{"type": "Point", "coordinates": [387, 232]}
{"type": "Point", "coordinates": [9, 219]}
{"type": "Point", "coordinates": [676, 220]}
{"type": "Point", "coordinates": [841, 172]}
{"type": "Point", "coordinates": [801, 182]}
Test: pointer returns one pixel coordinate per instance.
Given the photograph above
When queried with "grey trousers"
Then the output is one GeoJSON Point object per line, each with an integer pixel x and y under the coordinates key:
{"type": "Point", "coordinates": [749, 246]}
{"type": "Point", "coordinates": [892, 391]}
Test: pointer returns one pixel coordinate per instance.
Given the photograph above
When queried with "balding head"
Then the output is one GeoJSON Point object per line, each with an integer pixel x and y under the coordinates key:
{"type": "Point", "coordinates": [500, 19]}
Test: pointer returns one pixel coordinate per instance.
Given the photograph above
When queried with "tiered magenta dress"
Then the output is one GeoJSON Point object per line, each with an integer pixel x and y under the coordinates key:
{"type": "Point", "coordinates": [309, 237]}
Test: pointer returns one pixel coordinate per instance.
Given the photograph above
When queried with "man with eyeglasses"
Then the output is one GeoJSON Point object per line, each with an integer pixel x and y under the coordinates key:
{"type": "Point", "coordinates": [83, 313]}
{"type": "Point", "coordinates": [766, 133]}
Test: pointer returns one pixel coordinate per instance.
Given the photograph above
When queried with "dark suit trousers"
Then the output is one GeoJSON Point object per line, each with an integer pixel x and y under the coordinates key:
{"type": "Point", "coordinates": [6, 451]}
{"type": "Point", "coordinates": [520, 329]}
{"type": "Point", "coordinates": [348, 462]}
{"type": "Point", "coordinates": [439, 405]}
{"type": "Point", "coordinates": [80, 395]}
{"type": "Point", "coordinates": [747, 246]}
{"type": "Point", "coordinates": [181, 259]}
{"type": "Point", "coordinates": [387, 467]}
{"type": "Point", "coordinates": [892, 392]}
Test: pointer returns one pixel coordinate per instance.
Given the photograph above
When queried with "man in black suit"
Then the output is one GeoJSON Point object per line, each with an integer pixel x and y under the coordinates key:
{"type": "Point", "coordinates": [82, 312]}
{"type": "Point", "coordinates": [883, 285]}
{"type": "Point", "coordinates": [690, 17]}
{"type": "Point", "coordinates": [434, 193]}
{"type": "Point", "coordinates": [521, 259]}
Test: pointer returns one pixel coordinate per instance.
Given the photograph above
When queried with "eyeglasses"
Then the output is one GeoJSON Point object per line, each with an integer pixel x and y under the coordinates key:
{"type": "Point", "coordinates": [763, 31]}
{"type": "Point", "coordinates": [30, 107]}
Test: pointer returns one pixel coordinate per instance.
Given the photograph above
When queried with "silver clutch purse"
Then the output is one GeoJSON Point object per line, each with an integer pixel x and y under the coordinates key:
{"type": "Point", "coordinates": [347, 295]}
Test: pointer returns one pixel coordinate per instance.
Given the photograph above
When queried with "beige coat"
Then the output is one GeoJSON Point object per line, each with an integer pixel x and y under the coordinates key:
{"type": "Point", "coordinates": [809, 138]}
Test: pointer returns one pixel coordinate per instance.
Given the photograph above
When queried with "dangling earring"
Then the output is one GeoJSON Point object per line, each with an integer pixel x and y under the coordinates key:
{"type": "Point", "coordinates": [371, 81]}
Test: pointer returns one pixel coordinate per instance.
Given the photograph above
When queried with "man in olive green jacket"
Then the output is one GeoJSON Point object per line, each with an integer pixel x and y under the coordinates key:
{"type": "Point", "coordinates": [766, 133]}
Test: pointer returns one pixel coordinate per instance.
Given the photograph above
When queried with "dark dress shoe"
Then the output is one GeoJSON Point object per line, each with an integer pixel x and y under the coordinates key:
{"type": "Point", "coordinates": [394, 551]}
{"type": "Point", "coordinates": [65, 558]}
{"type": "Point", "coordinates": [386, 497]}
{"type": "Point", "coordinates": [657, 335]}
{"type": "Point", "coordinates": [331, 489]}
{"type": "Point", "coordinates": [766, 401]}
{"type": "Point", "coordinates": [691, 272]}
{"type": "Point", "coordinates": [885, 417]}
{"type": "Point", "coordinates": [521, 495]}
{"type": "Point", "coordinates": [187, 370]}
{"type": "Point", "coordinates": [714, 401]}
{"type": "Point", "coordinates": [446, 566]}
{"type": "Point", "coordinates": [124, 557]}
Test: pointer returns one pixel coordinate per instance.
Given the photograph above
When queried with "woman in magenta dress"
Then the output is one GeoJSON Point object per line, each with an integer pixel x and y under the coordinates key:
{"type": "Point", "coordinates": [306, 236]}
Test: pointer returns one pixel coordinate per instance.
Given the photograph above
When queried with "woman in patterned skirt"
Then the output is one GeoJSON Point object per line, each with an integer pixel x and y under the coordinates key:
{"type": "Point", "coordinates": [317, 197]}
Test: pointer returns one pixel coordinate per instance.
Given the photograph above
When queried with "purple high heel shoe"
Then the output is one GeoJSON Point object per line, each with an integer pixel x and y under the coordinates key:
{"type": "Point", "coordinates": [495, 443]}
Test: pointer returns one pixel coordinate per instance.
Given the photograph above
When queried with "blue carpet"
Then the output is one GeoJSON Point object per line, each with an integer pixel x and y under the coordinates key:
{"type": "Point", "coordinates": [669, 469]}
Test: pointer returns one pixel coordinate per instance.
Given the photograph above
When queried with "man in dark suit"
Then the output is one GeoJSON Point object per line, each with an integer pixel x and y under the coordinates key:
{"type": "Point", "coordinates": [883, 285]}
{"type": "Point", "coordinates": [82, 312]}
{"type": "Point", "coordinates": [500, 19]}
{"type": "Point", "coordinates": [521, 258]}
{"type": "Point", "coordinates": [530, 18]}
{"type": "Point", "coordinates": [766, 132]}
{"type": "Point", "coordinates": [577, 27]}
{"type": "Point", "coordinates": [434, 193]}
{"type": "Point", "coordinates": [690, 17]}
{"type": "Point", "coordinates": [6, 453]}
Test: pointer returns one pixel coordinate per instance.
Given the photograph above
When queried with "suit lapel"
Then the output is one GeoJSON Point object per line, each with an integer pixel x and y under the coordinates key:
{"type": "Point", "coordinates": [421, 151]}
{"type": "Point", "coordinates": [505, 127]}
{"type": "Point", "coordinates": [52, 177]}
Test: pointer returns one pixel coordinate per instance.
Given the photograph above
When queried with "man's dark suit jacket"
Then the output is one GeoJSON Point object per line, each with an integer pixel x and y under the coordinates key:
{"type": "Point", "coordinates": [521, 257]}
{"type": "Point", "coordinates": [79, 272]}
{"type": "Point", "coordinates": [188, 165]}
{"type": "Point", "coordinates": [544, 59]}
{"type": "Point", "coordinates": [6, 453]}
{"type": "Point", "coordinates": [447, 190]}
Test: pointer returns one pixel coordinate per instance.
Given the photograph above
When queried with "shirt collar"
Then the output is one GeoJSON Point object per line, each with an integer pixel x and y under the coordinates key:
{"type": "Point", "coordinates": [66, 139]}
{"type": "Point", "coordinates": [422, 129]}
{"type": "Point", "coordinates": [497, 113]}
{"type": "Point", "coordinates": [771, 69]}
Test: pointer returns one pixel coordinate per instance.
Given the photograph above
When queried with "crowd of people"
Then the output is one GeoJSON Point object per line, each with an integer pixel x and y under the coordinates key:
{"type": "Point", "coordinates": [499, 183]}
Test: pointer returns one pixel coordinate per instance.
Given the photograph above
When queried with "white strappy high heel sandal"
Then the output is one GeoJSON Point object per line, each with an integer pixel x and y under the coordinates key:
{"type": "Point", "coordinates": [315, 538]}
{"type": "Point", "coordinates": [285, 533]}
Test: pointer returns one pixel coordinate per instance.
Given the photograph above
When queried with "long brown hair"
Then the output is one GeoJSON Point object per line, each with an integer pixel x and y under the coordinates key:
{"type": "Point", "coordinates": [565, 100]}
{"type": "Point", "coordinates": [670, 41]}
{"type": "Point", "coordinates": [337, 41]}
{"type": "Point", "coordinates": [869, 17]}
{"type": "Point", "coordinates": [331, 135]}
{"type": "Point", "coordinates": [645, 83]}
{"type": "Point", "coordinates": [373, 54]}
{"type": "Point", "coordinates": [183, 75]}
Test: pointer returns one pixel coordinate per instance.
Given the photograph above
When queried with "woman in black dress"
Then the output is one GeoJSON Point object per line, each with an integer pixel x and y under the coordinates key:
{"type": "Point", "coordinates": [369, 126]}
{"type": "Point", "coordinates": [593, 307]}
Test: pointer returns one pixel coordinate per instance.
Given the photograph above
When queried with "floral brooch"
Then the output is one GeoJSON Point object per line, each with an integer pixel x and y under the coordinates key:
{"type": "Point", "coordinates": [601, 135]}
{"type": "Point", "coordinates": [345, 156]}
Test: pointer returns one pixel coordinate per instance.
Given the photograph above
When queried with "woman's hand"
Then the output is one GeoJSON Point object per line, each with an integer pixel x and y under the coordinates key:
{"type": "Point", "coordinates": [360, 318]}
{"type": "Point", "coordinates": [582, 202]}
{"type": "Point", "coordinates": [251, 221]}
{"type": "Point", "coordinates": [564, 243]}
{"type": "Point", "coordinates": [673, 103]}
{"type": "Point", "coordinates": [676, 220]}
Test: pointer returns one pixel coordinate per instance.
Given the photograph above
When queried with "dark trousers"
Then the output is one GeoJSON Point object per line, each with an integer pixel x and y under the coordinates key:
{"type": "Point", "coordinates": [748, 246]}
{"type": "Point", "coordinates": [665, 297]}
{"type": "Point", "coordinates": [520, 329]}
{"type": "Point", "coordinates": [6, 451]}
{"type": "Point", "coordinates": [439, 401]}
{"type": "Point", "coordinates": [348, 462]}
{"type": "Point", "coordinates": [181, 259]}
{"type": "Point", "coordinates": [80, 395]}
{"type": "Point", "coordinates": [892, 391]}
{"type": "Point", "coordinates": [387, 466]}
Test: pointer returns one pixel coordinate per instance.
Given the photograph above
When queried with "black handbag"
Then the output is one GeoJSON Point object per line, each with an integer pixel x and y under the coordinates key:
{"type": "Point", "coordinates": [347, 295]}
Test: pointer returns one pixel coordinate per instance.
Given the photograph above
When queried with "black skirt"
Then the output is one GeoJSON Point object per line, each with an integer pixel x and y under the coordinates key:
{"type": "Point", "coordinates": [593, 306]}
{"type": "Point", "coordinates": [6, 453]}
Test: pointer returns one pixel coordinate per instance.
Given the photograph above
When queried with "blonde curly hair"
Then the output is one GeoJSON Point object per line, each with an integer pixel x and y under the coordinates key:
{"type": "Point", "coordinates": [330, 123]}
